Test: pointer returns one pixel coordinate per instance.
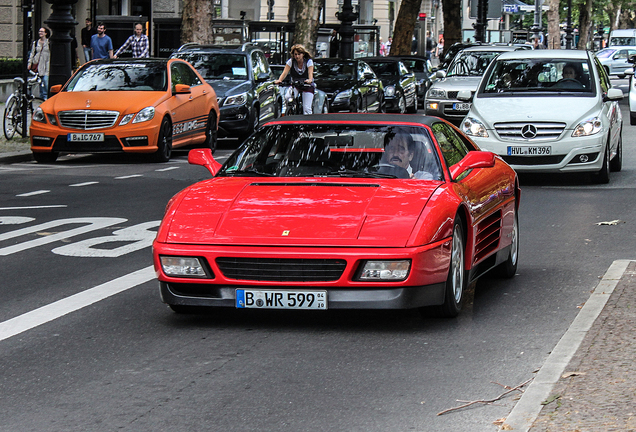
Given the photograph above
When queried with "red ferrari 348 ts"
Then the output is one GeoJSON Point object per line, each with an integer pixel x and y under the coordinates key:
{"type": "Point", "coordinates": [341, 211]}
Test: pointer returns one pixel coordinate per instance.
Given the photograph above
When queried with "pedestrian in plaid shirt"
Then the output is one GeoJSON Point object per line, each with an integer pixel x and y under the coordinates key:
{"type": "Point", "coordinates": [137, 42]}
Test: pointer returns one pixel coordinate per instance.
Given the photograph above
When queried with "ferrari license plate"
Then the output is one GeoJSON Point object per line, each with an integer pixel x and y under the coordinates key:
{"type": "Point", "coordinates": [276, 299]}
{"type": "Point", "coordinates": [461, 106]}
{"type": "Point", "coordinates": [529, 151]}
{"type": "Point", "coordinates": [85, 137]}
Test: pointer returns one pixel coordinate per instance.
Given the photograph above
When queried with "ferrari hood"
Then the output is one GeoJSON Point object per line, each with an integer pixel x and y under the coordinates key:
{"type": "Point", "coordinates": [122, 101]}
{"type": "Point", "coordinates": [299, 212]}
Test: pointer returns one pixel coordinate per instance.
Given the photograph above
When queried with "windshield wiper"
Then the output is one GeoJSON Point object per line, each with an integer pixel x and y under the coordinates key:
{"type": "Point", "coordinates": [353, 173]}
{"type": "Point", "coordinates": [247, 173]}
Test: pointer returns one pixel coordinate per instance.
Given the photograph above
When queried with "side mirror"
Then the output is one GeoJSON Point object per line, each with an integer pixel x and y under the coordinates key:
{"type": "Point", "coordinates": [474, 159]}
{"type": "Point", "coordinates": [613, 95]}
{"type": "Point", "coordinates": [182, 89]}
{"type": "Point", "coordinates": [204, 158]}
{"type": "Point", "coordinates": [55, 89]}
{"type": "Point", "coordinates": [465, 95]}
{"type": "Point", "coordinates": [440, 74]}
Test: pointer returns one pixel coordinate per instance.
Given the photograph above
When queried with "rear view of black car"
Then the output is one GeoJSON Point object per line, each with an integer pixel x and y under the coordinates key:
{"type": "Point", "coordinates": [243, 82]}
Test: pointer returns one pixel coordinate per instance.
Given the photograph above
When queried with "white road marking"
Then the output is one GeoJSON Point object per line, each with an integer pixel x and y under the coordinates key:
{"type": "Point", "coordinates": [128, 176]}
{"type": "Point", "coordinates": [33, 207]}
{"type": "Point", "coordinates": [38, 192]}
{"type": "Point", "coordinates": [84, 184]}
{"type": "Point", "coordinates": [167, 169]}
{"type": "Point", "coordinates": [15, 220]}
{"type": "Point", "coordinates": [44, 314]}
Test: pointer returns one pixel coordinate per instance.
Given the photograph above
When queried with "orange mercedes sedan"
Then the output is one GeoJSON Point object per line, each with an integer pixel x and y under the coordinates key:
{"type": "Point", "coordinates": [129, 105]}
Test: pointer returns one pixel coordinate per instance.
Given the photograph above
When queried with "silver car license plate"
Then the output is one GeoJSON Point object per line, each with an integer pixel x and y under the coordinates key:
{"type": "Point", "coordinates": [461, 106]}
{"type": "Point", "coordinates": [529, 151]}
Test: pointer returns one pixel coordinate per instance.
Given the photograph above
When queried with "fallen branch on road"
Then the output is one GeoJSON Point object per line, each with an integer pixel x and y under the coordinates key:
{"type": "Point", "coordinates": [488, 401]}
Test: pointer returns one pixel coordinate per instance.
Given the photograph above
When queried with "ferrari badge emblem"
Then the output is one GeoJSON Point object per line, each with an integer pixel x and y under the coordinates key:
{"type": "Point", "coordinates": [286, 233]}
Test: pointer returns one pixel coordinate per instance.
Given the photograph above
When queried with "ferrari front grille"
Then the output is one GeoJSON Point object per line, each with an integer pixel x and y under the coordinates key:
{"type": "Point", "coordinates": [530, 130]}
{"type": "Point", "coordinates": [87, 119]}
{"type": "Point", "coordinates": [282, 269]}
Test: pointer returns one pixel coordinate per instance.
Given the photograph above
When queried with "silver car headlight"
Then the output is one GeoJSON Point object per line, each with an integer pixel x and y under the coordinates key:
{"type": "Point", "coordinates": [189, 267]}
{"type": "Point", "coordinates": [344, 95]}
{"type": "Point", "coordinates": [587, 127]}
{"type": "Point", "coordinates": [239, 99]}
{"type": "Point", "coordinates": [473, 127]}
{"type": "Point", "coordinates": [144, 115]}
{"type": "Point", "coordinates": [389, 91]}
{"type": "Point", "coordinates": [436, 93]}
{"type": "Point", "coordinates": [126, 119]}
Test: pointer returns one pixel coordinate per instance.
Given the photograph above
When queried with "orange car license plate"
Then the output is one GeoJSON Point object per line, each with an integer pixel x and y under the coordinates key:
{"type": "Point", "coordinates": [85, 137]}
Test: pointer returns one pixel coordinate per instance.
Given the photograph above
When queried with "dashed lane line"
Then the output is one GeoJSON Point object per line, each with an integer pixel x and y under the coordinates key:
{"type": "Point", "coordinates": [37, 192]}
{"type": "Point", "coordinates": [84, 184]}
{"type": "Point", "coordinates": [50, 312]}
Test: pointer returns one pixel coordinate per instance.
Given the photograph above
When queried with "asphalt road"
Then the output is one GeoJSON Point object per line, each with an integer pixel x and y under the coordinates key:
{"type": "Point", "coordinates": [103, 353]}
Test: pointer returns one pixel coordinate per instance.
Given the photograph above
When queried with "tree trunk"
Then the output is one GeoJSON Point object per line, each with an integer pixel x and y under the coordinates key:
{"type": "Point", "coordinates": [404, 25]}
{"type": "Point", "coordinates": [196, 22]}
{"type": "Point", "coordinates": [585, 21]}
{"type": "Point", "coordinates": [554, 32]}
{"type": "Point", "coordinates": [452, 22]}
{"type": "Point", "coordinates": [307, 22]}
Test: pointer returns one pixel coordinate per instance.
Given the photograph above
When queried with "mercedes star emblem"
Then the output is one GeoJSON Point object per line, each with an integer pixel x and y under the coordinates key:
{"type": "Point", "coordinates": [529, 131]}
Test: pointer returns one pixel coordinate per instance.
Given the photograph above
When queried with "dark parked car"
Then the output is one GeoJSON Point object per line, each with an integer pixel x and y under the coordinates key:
{"type": "Point", "coordinates": [351, 85]}
{"type": "Point", "coordinates": [321, 101]}
{"type": "Point", "coordinates": [243, 82]}
{"type": "Point", "coordinates": [423, 74]}
{"type": "Point", "coordinates": [400, 86]}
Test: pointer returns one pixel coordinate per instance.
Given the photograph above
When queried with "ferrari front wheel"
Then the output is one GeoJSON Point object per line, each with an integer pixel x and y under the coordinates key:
{"type": "Point", "coordinates": [456, 280]}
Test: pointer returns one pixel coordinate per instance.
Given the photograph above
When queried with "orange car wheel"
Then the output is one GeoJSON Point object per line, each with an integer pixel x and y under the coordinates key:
{"type": "Point", "coordinates": [164, 142]}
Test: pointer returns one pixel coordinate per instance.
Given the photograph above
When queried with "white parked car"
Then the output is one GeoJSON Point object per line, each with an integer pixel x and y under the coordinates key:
{"type": "Point", "coordinates": [615, 60]}
{"type": "Point", "coordinates": [548, 111]}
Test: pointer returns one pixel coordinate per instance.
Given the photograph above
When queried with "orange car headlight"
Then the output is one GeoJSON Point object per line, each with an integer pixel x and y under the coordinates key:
{"type": "Point", "coordinates": [145, 114]}
{"type": "Point", "coordinates": [126, 119]}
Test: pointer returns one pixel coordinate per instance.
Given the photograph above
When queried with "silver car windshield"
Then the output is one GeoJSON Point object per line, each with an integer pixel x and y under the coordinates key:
{"type": "Point", "coordinates": [471, 63]}
{"type": "Point", "coordinates": [347, 150]}
{"type": "Point", "coordinates": [539, 75]}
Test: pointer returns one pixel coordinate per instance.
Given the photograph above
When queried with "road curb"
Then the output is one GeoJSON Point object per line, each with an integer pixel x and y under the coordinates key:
{"type": "Point", "coordinates": [13, 157]}
{"type": "Point", "coordinates": [526, 411]}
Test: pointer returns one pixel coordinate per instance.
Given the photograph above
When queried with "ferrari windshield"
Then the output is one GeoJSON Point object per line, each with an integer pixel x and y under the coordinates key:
{"type": "Point", "coordinates": [300, 150]}
{"type": "Point", "coordinates": [539, 75]}
{"type": "Point", "coordinates": [471, 63]}
{"type": "Point", "coordinates": [217, 65]}
{"type": "Point", "coordinates": [137, 76]}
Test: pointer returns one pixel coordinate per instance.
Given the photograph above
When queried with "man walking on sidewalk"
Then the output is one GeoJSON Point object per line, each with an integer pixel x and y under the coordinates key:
{"type": "Point", "coordinates": [101, 45]}
{"type": "Point", "coordinates": [138, 43]}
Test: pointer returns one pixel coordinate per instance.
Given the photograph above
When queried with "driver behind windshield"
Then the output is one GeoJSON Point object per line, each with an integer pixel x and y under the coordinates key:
{"type": "Point", "coordinates": [399, 150]}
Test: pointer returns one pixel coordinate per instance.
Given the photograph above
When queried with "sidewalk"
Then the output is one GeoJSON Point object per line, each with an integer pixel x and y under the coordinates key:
{"type": "Point", "coordinates": [17, 149]}
{"type": "Point", "coordinates": [588, 383]}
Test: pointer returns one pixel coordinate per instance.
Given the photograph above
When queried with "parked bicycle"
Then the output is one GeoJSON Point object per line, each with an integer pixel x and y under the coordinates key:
{"type": "Point", "coordinates": [15, 102]}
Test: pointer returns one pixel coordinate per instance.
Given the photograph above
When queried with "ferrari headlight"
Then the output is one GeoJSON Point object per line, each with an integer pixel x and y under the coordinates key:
{"type": "Point", "coordinates": [239, 99]}
{"type": "Point", "coordinates": [145, 114]}
{"type": "Point", "coordinates": [182, 267]}
{"type": "Point", "coordinates": [474, 127]}
{"type": "Point", "coordinates": [126, 119]}
{"type": "Point", "coordinates": [386, 270]}
{"type": "Point", "coordinates": [389, 91]}
{"type": "Point", "coordinates": [436, 93]}
{"type": "Point", "coordinates": [38, 115]}
{"type": "Point", "coordinates": [587, 127]}
{"type": "Point", "coordinates": [344, 95]}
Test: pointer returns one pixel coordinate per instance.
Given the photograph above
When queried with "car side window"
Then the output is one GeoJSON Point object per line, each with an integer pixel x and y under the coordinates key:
{"type": "Point", "coordinates": [602, 75]}
{"type": "Point", "coordinates": [181, 73]}
{"type": "Point", "coordinates": [453, 147]}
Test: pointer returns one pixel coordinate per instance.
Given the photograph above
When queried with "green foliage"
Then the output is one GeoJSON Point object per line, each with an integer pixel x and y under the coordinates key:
{"type": "Point", "coordinates": [10, 67]}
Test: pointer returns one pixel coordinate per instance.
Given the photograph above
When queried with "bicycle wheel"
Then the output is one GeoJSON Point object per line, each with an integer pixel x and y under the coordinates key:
{"type": "Point", "coordinates": [12, 122]}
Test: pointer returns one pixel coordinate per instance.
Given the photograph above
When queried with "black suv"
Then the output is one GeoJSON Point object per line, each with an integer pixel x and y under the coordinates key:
{"type": "Point", "coordinates": [243, 83]}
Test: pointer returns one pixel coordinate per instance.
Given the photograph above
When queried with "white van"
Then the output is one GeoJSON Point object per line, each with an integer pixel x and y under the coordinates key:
{"type": "Point", "coordinates": [623, 37]}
